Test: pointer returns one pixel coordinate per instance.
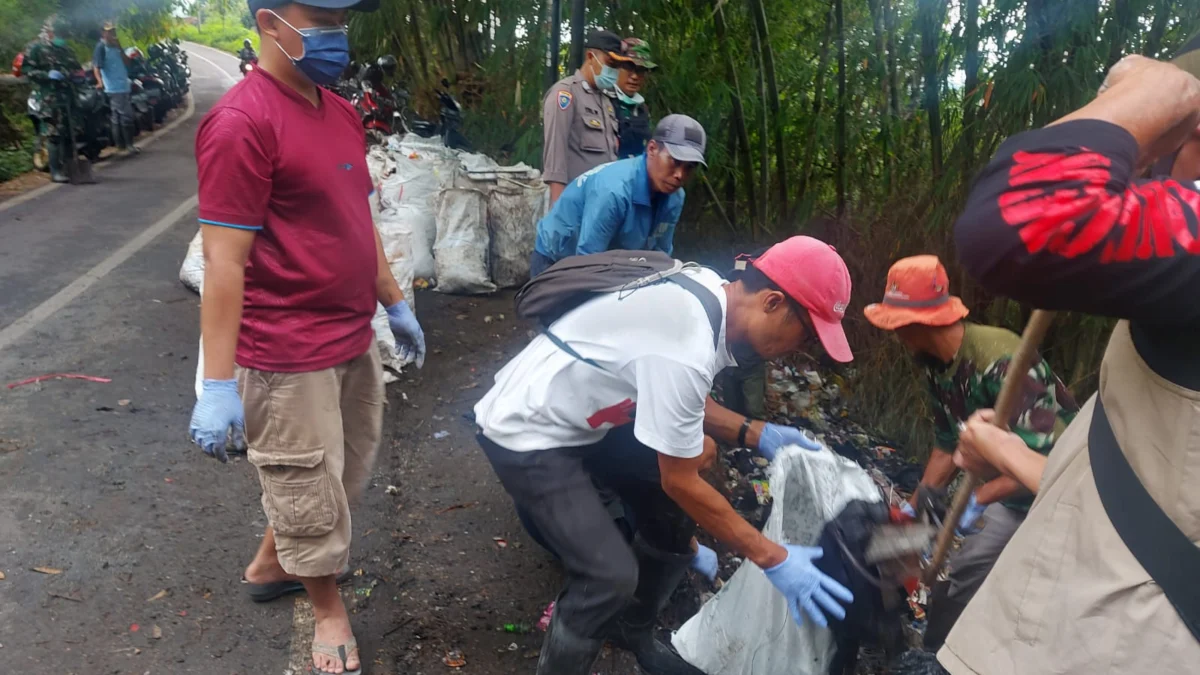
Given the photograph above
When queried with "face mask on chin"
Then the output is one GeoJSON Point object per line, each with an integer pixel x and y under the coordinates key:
{"type": "Point", "coordinates": [636, 99]}
{"type": "Point", "coordinates": [326, 52]}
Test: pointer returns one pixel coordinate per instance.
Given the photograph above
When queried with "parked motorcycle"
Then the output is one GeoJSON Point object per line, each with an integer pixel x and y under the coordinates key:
{"type": "Point", "coordinates": [451, 116]}
{"type": "Point", "coordinates": [449, 121]}
{"type": "Point", "coordinates": [143, 106]}
{"type": "Point", "coordinates": [154, 89]}
{"type": "Point", "coordinates": [93, 132]}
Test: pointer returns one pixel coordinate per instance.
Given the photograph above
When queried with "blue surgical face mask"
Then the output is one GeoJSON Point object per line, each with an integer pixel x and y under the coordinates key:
{"type": "Point", "coordinates": [607, 79]}
{"type": "Point", "coordinates": [326, 52]}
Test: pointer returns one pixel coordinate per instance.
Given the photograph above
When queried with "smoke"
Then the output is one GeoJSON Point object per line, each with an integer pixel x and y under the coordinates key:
{"type": "Point", "coordinates": [82, 18]}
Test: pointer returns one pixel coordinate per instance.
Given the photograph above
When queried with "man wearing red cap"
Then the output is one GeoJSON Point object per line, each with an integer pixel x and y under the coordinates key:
{"type": "Point", "coordinates": [617, 389]}
{"type": "Point", "coordinates": [965, 364]}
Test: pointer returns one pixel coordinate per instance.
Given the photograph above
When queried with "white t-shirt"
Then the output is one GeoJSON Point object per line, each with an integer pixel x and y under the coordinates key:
{"type": "Point", "coordinates": [655, 345]}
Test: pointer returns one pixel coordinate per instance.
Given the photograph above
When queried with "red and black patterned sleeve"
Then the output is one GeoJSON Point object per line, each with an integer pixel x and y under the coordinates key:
{"type": "Point", "coordinates": [1057, 220]}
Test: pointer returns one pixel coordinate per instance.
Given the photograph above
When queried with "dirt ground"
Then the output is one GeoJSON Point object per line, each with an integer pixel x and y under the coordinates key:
{"type": "Point", "coordinates": [452, 561]}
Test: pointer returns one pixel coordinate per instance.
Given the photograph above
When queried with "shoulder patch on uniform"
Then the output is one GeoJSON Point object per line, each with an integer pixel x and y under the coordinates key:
{"type": "Point", "coordinates": [564, 99]}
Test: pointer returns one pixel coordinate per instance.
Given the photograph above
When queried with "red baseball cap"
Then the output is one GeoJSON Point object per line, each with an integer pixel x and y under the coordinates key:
{"type": "Point", "coordinates": [813, 274]}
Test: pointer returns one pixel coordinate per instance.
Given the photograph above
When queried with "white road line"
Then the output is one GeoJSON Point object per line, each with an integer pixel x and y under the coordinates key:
{"type": "Point", "coordinates": [219, 68]}
{"type": "Point", "coordinates": [35, 316]}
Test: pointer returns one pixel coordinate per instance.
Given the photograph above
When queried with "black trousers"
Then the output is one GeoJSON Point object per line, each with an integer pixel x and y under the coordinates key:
{"type": "Point", "coordinates": [554, 488]}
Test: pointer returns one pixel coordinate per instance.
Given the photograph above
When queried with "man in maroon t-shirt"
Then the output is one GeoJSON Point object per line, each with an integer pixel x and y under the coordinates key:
{"type": "Point", "coordinates": [293, 270]}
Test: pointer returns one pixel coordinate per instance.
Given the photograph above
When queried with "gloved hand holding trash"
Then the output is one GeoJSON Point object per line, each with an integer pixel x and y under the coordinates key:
{"type": "Point", "coordinates": [776, 436]}
{"type": "Point", "coordinates": [410, 339]}
{"type": "Point", "coordinates": [970, 521]}
{"type": "Point", "coordinates": [218, 410]}
{"type": "Point", "coordinates": [809, 591]}
{"type": "Point", "coordinates": [705, 562]}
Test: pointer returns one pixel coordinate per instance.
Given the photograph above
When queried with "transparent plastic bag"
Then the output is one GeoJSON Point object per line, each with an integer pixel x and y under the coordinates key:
{"type": "Point", "coordinates": [746, 628]}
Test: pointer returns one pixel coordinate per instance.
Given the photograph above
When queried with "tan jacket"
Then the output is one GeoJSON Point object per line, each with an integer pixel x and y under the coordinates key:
{"type": "Point", "coordinates": [579, 128]}
{"type": "Point", "coordinates": [1066, 596]}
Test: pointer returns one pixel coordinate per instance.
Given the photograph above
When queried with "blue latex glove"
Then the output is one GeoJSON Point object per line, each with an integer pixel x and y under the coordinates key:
{"type": "Point", "coordinates": [809, 591]}
{"type": "Point", "coordinates": [410, 339]}
{"type": "Point", "coordinates": [705, 562]}
{"type": "Point", "coordinates": [56, 75]}
{"type": "Point", "coordinates": [908, 510]}
{"type": "Point", "coordinates": [969, 523]}
{"type": "Point", "coordinates": [775, 436]}
{"type": "Point", "coordinates": [218, 410]}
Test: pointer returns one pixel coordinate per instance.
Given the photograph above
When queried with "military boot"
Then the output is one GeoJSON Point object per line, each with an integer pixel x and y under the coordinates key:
{"type": "Point", "coordinates": [659, 572]}
{"type": "Point", "coordinates": [57, 158]}
{"type": "Point", "coordinates": [565, 653]}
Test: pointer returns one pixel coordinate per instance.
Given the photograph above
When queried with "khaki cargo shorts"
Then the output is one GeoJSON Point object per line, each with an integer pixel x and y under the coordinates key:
{"type": "Point", "coordinates": [313, 438]}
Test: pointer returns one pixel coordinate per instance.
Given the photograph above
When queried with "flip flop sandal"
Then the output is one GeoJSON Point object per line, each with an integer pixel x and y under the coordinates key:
{"type": "Point", "coordinates": [340, 653]}
{"type": "Point", "coordinates": [277, 589]}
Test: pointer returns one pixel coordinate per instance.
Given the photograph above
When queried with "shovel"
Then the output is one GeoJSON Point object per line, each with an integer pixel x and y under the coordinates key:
{"type": "Point", "coordinates": [1010, 392]}
{"type": "Point", "coordinates": [79, 171]}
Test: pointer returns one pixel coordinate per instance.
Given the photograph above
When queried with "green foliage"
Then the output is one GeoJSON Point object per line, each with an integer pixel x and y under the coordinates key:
{"type": "Point", "coordinates": [139, 21]}
{"type": "Point", "coordinates": [20, 21]}
{"type": "Point", "coordinates": [16, 160]}
{"type": "Point", "coordinates": [224, 32]}
{"type": "Point", "coordinates": [1037, 60]}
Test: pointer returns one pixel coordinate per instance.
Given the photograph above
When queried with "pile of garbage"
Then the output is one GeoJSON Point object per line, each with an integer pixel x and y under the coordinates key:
{"type": "Point", "coordinates": [455, 220]}
{"type": "Point", "coordinates": [804, 397]}
{"type": "Point", "coordinates": [452, 220]}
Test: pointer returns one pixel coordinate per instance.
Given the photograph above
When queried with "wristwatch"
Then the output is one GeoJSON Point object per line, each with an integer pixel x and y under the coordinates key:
{"type": "Point", "coordinates": [742, 432]}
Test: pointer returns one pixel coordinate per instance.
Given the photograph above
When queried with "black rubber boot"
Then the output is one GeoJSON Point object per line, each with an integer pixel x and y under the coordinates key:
{"type": "Point", "coordinates": [54, 148]}
{"type": "Point", "coordinates": [659, 573]}
{"type": "Point", "coordinates": [564, 653]}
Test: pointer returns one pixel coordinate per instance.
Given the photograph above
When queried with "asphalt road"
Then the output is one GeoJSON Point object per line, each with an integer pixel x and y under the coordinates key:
{"type": "Point", "coordinates": [141, 539]}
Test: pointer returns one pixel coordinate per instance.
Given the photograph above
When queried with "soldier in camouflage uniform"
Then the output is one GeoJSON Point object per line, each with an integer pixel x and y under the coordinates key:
{"type": "Point", "coordinates": [633, 116]}
{"type": "Point", "coordinates": [49, 64]}
{"type": "Point", "coordinates": [965, 365]}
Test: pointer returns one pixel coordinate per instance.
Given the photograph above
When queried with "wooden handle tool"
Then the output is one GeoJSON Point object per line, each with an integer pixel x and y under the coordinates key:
{"type": "Point", "coordinates": [1010, 394]}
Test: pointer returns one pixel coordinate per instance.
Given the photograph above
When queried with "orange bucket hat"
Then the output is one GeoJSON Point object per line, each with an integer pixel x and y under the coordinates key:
{"type": "Point", "coordinates": [918, 291]}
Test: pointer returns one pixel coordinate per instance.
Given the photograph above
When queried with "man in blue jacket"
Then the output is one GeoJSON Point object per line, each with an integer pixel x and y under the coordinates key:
{"type": "Point", "coordinates": [632, 204]}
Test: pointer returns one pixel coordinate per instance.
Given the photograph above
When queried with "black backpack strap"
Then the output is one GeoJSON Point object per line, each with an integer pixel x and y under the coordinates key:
{"type": "Point", "coordinates": [1166, 553]}
{"type": "Point", "coordinates": [712, 306]}
{"type": "Point", "coordinates": [558, 342]}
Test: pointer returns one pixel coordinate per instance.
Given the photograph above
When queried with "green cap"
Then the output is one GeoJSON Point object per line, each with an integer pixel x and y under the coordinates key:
{"type": "Point", "coordinates": [637, 50]}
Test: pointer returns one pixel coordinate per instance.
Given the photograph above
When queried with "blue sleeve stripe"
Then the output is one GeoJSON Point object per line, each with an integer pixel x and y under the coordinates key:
{"type": "Point", "coordinates": [236, 227]}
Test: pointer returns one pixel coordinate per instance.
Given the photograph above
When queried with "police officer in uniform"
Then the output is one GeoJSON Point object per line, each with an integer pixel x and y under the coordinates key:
{"type": "Point", "coordinates": [49, 64]}
{"type": "Point", "coordinates": [580, 122]}
{"type": "Point", "coordinates": [633, 116]}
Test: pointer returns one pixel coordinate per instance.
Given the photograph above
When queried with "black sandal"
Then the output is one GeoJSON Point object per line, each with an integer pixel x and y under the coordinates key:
{"type": "Point", "coordinates": [277, 589]}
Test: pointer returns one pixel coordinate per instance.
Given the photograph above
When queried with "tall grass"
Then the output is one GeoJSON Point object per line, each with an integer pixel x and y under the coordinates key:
{"type": "Point", "coordinates": [225, 34]}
